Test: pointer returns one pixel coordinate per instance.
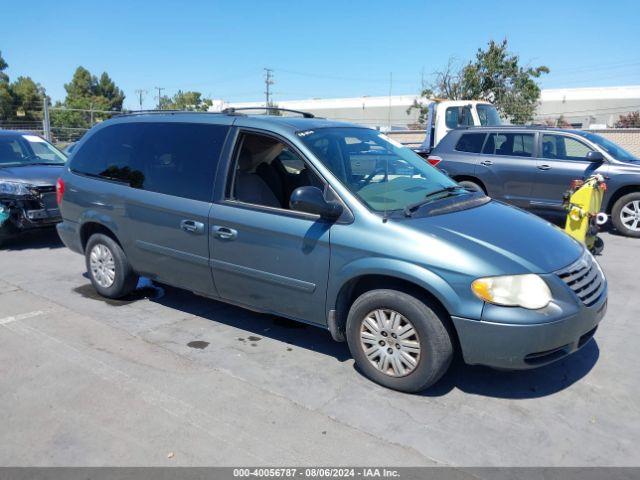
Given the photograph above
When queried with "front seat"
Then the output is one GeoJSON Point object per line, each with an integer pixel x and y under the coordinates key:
{"type": "Point", "coordinates": [268, 173]}
{"type": "Point", "coordinates": [250, 188]}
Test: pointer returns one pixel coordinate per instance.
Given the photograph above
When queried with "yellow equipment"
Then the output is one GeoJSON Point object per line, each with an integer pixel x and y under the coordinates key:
{"type": "Point", "coordinates": [583, 202]}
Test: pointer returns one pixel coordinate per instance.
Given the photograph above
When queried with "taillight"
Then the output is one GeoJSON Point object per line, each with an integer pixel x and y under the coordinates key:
{"type": "Point", "coordinates": [434, 160]}
{"type": "Point", "coordinates": [59, 190]}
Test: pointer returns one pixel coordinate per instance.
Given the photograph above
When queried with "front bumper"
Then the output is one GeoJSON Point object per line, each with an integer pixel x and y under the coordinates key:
{"type": "Point", "coordinates": [27, 214]}
{"type": "Point", "coordinates": [524, 346]}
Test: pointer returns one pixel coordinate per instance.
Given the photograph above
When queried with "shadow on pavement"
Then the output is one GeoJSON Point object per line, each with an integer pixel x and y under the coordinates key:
{"type": "Point", "coordinates": [45, 238]}
{"type": "Point", "coordinates": [517, 384]}
{"type": "Point", "coordinates": [477, 380]}
{"type": "Point", "coordinates": [258, 324]}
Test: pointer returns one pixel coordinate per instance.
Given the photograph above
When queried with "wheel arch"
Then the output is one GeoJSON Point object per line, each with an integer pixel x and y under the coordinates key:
{"type": "Point", "coordinates": [91, 227]}
{"type": "Point", "coordinates": [471, 178]}
{"type": "Point", "coordinates": [360, 284]}
{"type": "Point", "coordinates": [619, 193]}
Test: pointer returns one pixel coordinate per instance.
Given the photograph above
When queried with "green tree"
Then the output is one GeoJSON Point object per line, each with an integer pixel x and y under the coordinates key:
{"type": "Point", "coordinates": [82, 84]}
{"type": "Point", "coordinates": [3, 66]}
{"type": "Point", "coordinates": [87, 100]}
{"type": "Point", "coordinates": [106, 88]}
{"type": "Point", "coordinates": [191, 101]}
{"type": "Point", "coordinates": [6, 99]}
{"type": "Point", "coordinates": [27, 98]}
{"type": "Point", "coordinates": [494, 75]}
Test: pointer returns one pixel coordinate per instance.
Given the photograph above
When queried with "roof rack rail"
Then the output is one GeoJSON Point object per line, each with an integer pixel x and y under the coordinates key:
{"type": "Point", "coordinates": [155, 111]}
{"type": "Point", "coordinates": [506, 127]}
{"type": "Point", "coordinates": [234, 110]}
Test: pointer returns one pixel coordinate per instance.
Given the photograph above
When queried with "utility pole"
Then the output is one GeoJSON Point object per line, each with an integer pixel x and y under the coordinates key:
{"type": "Point", "coordinates": [159, 96]}
{"type": "Point", "coordinates": [140, 93]}
{"type": "Point", "coordinates": [268, 81]}
{"type": "Point", "coordinates": [46, 125]}
{"type": "Point", "coordinates": [390, 89]}
{"type": "Point", "coordinates": [91, 114]}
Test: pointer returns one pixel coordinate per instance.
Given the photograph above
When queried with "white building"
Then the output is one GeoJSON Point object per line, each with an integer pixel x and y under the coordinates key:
{"type": "Point", "coordinates": [582, 107]}
{"type": "Point", "coordinates": [591, 106]}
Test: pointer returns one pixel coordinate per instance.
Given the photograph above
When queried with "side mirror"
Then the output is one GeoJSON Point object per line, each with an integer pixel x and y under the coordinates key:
{"type": "Point", "coordinates": [594, 156]}
{"type": "Point", "coordinates": [311, 200]}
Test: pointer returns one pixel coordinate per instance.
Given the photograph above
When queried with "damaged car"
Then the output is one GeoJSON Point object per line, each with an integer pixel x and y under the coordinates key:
{"type": "Point", "coordinates": [29, 169]}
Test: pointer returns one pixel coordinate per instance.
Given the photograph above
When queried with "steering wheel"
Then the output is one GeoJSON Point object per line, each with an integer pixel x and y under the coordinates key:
{"type": "Point", "coordinates": [367, 180]}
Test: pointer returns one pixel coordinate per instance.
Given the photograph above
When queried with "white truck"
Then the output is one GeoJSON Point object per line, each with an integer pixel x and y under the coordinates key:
{"type": "Point", "coordinates": [445, 115]}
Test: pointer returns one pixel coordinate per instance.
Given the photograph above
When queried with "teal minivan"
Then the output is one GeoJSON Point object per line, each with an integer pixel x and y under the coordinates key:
{"type": "Point", "coordinates": [330, 224]}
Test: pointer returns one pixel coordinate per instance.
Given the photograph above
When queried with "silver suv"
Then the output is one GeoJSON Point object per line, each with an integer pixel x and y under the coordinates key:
{"type": "Point", "coordinates": [531, 167]}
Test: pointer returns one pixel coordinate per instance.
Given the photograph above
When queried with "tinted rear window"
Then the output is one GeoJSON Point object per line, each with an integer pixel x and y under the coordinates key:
{"type": "Point", "coordinates": [509, 144]}
{"type": "Point", "coordinates": [471, 142]}
{"type": "Point", "coordinates": [172, 158]}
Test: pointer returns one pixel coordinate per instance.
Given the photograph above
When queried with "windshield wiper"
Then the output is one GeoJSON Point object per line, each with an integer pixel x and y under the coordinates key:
{"type": "Point", "coordinates": [409, 209]}
{"type": "Point", "coordinates": [40, 163]}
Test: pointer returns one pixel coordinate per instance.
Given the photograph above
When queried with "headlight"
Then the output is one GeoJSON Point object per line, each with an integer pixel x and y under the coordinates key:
{"type": "Point", "coordinates": [14, 188]}
{"type": "Point", "coordinates": [527, 291]}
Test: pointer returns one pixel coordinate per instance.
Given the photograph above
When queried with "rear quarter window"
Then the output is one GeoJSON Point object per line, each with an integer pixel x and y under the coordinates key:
{"type": "Point", "coordinates": [470, 142]}
{"type": "Point", "coordinates": [176, 159]}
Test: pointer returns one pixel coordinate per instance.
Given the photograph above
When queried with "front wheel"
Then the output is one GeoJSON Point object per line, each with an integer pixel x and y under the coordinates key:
{"type": "Point", "coordinates": [108, 267]}
{"type": "Point", "coordinates": [398, 340]}
{"type": "Point", "coordinates": [625, 215]}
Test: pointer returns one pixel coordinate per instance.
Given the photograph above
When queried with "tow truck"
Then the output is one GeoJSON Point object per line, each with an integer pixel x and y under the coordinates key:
{"type": "Point", "coordinates": [445, 115]}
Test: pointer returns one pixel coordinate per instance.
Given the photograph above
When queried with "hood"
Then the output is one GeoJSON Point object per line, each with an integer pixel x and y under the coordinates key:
{"type": "Point", "coordinates": [502, 235]}
{"type": "Point", "coordinates": [38, 175]}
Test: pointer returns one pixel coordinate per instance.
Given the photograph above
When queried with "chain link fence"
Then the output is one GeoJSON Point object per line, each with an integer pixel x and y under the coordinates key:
{"type": "Point", "coordinates": [60, 125]}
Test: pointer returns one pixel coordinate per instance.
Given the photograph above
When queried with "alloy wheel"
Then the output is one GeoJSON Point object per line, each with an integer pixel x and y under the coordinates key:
{"type": "Point", "coordinates": [390, 342]}
{"type": "Point", "coordinates": [103, 268]}
{"type": "Point", "coordinates": [630, 215]}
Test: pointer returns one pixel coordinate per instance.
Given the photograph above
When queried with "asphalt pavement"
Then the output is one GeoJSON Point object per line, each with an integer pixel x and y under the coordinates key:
{"type": "Point", "coordinates": [169, 378]}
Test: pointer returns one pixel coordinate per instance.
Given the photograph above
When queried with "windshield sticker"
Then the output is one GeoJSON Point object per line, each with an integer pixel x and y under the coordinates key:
{"type": "Point", "coordinates": [305, 133]}
{"type": "Point", "coordinates": [393, 142]}
{"type": "Point", "coordinates": [33, 139]}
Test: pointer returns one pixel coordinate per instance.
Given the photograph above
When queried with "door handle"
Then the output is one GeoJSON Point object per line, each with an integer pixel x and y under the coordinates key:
{"type": "Point", "coordinates": [192, 226]}
{"type": "Point", "coordinates": [225, 233]}
{"type": "Point", "coordinates": [486, 163]}
{"type": "Point", "coordinates": [544, 167]}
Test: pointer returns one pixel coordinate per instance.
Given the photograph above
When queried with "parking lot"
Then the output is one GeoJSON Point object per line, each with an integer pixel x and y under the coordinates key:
{"type": "Point", "coordinates": [169, 378]}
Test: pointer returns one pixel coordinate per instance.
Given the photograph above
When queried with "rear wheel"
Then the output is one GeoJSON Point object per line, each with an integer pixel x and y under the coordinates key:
{"type": "Point", "coordinates": [625, 215]}
{"type": "Point", "coordinates": [469, 185]}
{"type": "Point", "coordinates": [108, 267]}
{"type": "Point", "coordinates": [398, 340]}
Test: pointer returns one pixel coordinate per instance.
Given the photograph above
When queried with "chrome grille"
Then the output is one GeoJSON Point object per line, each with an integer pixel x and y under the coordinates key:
{"type": "Point", "coordinates": [585, 278]}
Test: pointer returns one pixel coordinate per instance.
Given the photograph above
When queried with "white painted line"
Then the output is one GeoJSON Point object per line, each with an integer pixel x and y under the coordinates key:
{"type": "Point", "coordinates": [22, 316]}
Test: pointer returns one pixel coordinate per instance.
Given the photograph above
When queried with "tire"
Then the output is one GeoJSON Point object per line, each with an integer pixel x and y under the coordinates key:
{"type": "Point", "coordinates": [110, 273]}
{"type": "Point", "coordinates": [626, 213]}
{"type": "Point", "coordinates": [598, 246]}
{"type": "Point", "coordinates": [468, 184]}
{"type": "Point", "coordinates": [432, 336]}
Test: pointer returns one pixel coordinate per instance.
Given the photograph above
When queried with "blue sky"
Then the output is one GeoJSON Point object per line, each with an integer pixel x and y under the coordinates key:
{"type": "Point", "coordinates": [321, 48]}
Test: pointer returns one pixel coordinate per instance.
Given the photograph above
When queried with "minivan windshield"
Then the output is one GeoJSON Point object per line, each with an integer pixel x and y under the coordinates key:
{"type": "Point", "coordinates": [21, 150]}
{"type": "Point", "coordinates": [381, 172]}
{"type": "Point", "coordinates": [616, 151]}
